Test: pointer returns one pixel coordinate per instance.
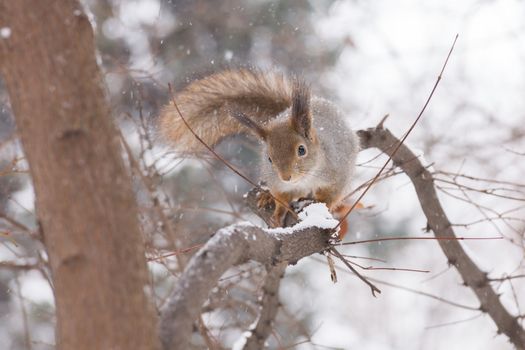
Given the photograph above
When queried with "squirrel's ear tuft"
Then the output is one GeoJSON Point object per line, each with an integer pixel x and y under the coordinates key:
{"type": "Point", "coordinates": [301, 115]}
{"type": "Point", "coordinates": [250, 124]}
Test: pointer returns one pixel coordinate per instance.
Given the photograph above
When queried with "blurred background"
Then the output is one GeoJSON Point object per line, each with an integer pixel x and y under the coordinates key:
{"type": "Point", "coordinates": [372, 58]}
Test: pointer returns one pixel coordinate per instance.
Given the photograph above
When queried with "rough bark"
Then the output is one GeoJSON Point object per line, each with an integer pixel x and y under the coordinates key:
{"type": "Point", "coordinates": [472, 276]}
{"type": "Point", "coordinates": [268, 307]}
{"type": "Point", "coordinates": [84, 198]}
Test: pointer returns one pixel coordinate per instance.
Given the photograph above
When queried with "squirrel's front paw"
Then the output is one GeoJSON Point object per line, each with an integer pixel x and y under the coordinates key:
{"type": "Point", "coordinates": [265, 200]}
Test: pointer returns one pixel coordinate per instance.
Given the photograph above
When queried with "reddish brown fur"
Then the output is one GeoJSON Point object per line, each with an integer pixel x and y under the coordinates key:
{"type": "Point", "coordinates": [282, 136]}
{"type": "Point", "coordinates": [206, 105]}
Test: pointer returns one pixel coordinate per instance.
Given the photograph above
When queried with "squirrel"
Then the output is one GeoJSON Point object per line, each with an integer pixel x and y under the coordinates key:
{"type": "Point", "coordinates": [309, 151]}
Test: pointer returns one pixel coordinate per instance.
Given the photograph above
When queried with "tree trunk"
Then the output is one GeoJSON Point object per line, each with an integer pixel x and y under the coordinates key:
{"type": "Point", "coordinates": [84, 198]}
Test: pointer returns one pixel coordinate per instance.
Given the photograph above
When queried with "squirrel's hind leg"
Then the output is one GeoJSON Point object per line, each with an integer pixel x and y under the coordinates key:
{"type": "Point", "coordinates": [328, 196]}
{"type": "Point", "coordinates": [337, 208]}
{"type": "Point", "coordinates": [265, 200]}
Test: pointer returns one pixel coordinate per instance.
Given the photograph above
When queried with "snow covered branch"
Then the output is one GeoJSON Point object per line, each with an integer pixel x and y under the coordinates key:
{"type": "Point", "coordinates": [438, 222]}
{"type": "Point", "coordinates": [235, 245]}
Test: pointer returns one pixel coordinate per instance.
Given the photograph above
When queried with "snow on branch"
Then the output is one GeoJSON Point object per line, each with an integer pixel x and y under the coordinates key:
{"type": "Point", "coordinates": [235, 245]}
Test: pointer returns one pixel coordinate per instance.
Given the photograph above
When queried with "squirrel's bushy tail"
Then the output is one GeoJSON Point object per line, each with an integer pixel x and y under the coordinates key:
{"type": "Point", "coordinates": [206, 105]}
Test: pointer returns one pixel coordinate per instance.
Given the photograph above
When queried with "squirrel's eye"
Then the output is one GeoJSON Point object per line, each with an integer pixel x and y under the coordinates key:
{"type": "Point", "coordinates": [301, 151]}
{"type": "Point", "coordinates": [269, 159]}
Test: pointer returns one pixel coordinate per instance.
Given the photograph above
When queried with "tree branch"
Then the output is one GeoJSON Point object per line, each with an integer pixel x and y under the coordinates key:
{"type": "Point", "coordinates": [472, 276]}
{"type": "Point", "coordinates": [269, 300]}
{"type": "Point", "coordinates": [269, 305]}
{"type": "Point", "coordinates": [230, 246]}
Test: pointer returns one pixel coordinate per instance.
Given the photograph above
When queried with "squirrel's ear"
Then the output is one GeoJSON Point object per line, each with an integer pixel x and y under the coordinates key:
{"type": "Point", "coordinates": [301, 115]}
{"type": "Point", "coordinates": [246, 121]}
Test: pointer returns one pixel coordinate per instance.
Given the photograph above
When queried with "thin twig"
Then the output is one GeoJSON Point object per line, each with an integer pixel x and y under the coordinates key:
{"type": "Point", "coordinates": [451, 238]}
{"type": "Point", "coordinates": [373, 288]}
{"type": "Point", "coordinates": [402, 139]}
{"type": "Point", "coordinates": [386, 268]}
{"type": "Point", "coordinates": [407, 289]}
{"type": "Point", "coordinates": [440, 325]}
{"type": "Point", "coordinates": [177, 252]}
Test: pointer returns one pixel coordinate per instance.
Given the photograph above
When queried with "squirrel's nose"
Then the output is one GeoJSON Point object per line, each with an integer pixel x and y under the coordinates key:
{"type": "Point", "coordinates": [286, 177]}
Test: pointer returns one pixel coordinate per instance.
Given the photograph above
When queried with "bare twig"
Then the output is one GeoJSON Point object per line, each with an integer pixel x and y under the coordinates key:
{"type": "Point", "coordinates": [210, 341]}
{"type": "Point", "coordinates": [451, 323]}
{"type": "Point", "coordinates": [506, 278]}
{"type": "Point", "coordinates": [452, 238]}
{"type": "Point", "coordinates": [400, 142]}
{"type": "Point", "coordinates": [15, 266]}
{"type": "Point", "coordinates": [407, 289]}
{"type": "Point", "coordinates": [375, 268]}
{"type": "Point", "coordinates": [372, 286]}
